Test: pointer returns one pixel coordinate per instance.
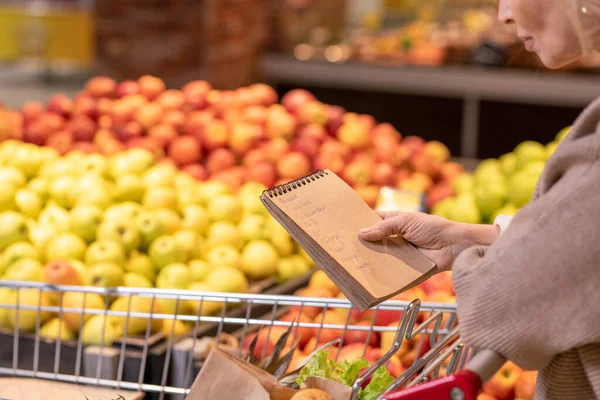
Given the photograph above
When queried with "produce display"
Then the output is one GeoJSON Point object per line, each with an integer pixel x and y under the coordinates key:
{"type": "Point", "coordinates": [236, 136]}
{"type": "Point", "coordinates": [498, 186]}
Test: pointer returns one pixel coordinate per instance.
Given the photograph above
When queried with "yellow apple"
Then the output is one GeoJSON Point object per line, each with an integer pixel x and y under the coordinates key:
{"type": "Point", "coordinates": [259, 259]}
{"type": "Point", "coordinates": [80, 301]}
{"type": "Point", "coordinates": [91, 334]}
{"type": "Point", "coordinates": [55, 328]}
{"type": "Point", "coordinates": [133, 304]}
{"type": "Point", "coordinates": [26, 320]}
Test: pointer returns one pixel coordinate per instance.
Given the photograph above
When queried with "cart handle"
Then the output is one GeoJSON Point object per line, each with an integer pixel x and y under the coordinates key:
{"type": "Point", "coordinates": [464, 385]}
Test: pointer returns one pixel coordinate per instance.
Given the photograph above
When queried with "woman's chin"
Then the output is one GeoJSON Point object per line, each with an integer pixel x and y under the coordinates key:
{"type": "Point", "coordinates": [556, 61]}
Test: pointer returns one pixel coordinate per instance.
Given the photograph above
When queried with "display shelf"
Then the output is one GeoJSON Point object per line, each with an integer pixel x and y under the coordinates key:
{"type": "Point", "coordinates": [469, 83]}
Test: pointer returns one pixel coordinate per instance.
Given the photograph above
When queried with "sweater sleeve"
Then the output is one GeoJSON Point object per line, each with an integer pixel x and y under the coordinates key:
{"type": "Point", "coordinates": [535, 292]}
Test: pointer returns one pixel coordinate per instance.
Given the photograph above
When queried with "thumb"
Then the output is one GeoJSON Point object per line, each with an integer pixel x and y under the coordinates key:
{"type": "Point", "coordinates": [382, 229]}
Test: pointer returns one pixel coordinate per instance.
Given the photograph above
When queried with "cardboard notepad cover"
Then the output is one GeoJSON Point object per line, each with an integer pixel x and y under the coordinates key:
{"type": "Point", "coordinates": [324, 215]}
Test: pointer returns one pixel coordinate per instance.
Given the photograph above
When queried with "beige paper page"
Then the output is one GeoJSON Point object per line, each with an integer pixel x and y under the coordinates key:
{"type": "Point", "coordinates": [332, 213]}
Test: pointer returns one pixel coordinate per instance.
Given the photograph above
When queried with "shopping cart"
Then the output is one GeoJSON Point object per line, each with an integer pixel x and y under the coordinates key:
{"type": "Point", "coordinates": [164, 366]}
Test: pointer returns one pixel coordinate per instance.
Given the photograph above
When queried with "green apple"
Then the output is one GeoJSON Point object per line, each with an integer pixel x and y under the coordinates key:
{"type": "Point", "coordinates": [521, 186]}
{"type": "Point", "coordinates": [150, 227]}
{"type": "Point", "coordinates": [7, 197]}
{"type": "Point", "coordinates": [40, 236]}
{"type": "Point", "coordinates": [126, 211]}
{"type": "Point", "coordinates": [508, 162]}
{"type": "Point", "coordinates": [490, 197]}
{"type": "Point", "coordinates": [26, 320]}
{"type": "Point", "coordinates": [259, 259]}
{"type": "Point", "coordinates": [174, 276]}
{"type": "Point", "coordinates": [66, 246]}
{"type": "Point", "coordinates": [253, 227]}
{"type": "Point", "coordinates": [133, 161]}
{"type": "Point", "coordinates": [40, 186]}
{"type": "Point", "coordinates": [99, 196]}
{"type": "Point", "coordinates": [199, 269]}
{"type": "Point", "coordinates": [195, 217]}
{"type": "Point", "coordinates": [19, 250]}
{"type": "Point", "coordinates": [465, 210]}
{"type": "Point", "coordinates": [106, 275]}
{"type": "Point", "coordinates": [183, 181]}
{"type": "Point", "coordinates": [210, 189]}
{"type": "Point", "coordinates": [94, 164]}
{"type": "Point", "coordinates": [128, 188]}
{"type": "Point", "coordinates": [292, 267]}
{"type": "Point", "coordinates": [124, 232]}
{"type": "Point", "coordinates": [487, 170]}
{"type": "Point", "coordinates": [105, 251]}
{"type": "Point", "coordinates": [160, 197]}
{"type": "Point", "coordinates": [136, 304]}
{"type": "Point", "coordinates": [464, 183]}
{"type": "Point", "coordinates": [224, 232]}
{"type": "Point", "coordinates": [84, 221]}
{"type": "Point", "coordinates": [101, 330]}
{"type": "Point", "coordinates": [13, 228]}
{"type": "Point", "coordinates": [160, 175]}
{"type": "Point", "coordinates": [56, 217]}
{"type": "Point", "coordinates": [28, 202]}
{"type": "Point", "coordinates": [13, 176]}
{"type": "Point", "coordinates": [227, 279]}
{"type": "Point", "coordinates": [284, 244]}
{"type": "Point", "coordinates": [85, 184]}
{"type": "Point", "coordinates": [60, 190]}
{"type": "Point", "coordinates": [78, 301]}
{"type": "Point", "coordinates": [56, 328]}
{"type": "Point", "coordinates": [163, 251]}
{"type": "Point", "coordinates": [223, 255]}
{"type": "Point", "coordinates": [140, 264]}
{"type": "Point", "coordinates": [208, 307]}
{"type": "Point", "coordinates": [27, 159]}
{"type": "Point", "coordinates": [249, 194]}
{"type": "Point", "coordinates": [528, 152]}
{"type": "Point", "coordinates": [188, 194]}
{"type": "Point", "coordinates": [137, 281]}
{"type": "Point", "coordinates": [169, 220]}
{"type": "Point", "coordinates": [225, 207]}
{"type": "Point", "coordinates": [25, 269]}
{"type": "Point", "coordinates": [508, 209]}
{"type": "Point", "coordinates": [444, 207]}
{"type": "Point", "coordinates": [187, 242]}
{"type": "Point", "coordinates": [59, 167]}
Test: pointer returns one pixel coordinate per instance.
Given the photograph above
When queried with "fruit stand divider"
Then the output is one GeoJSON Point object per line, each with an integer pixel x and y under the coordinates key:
{"type": "Point", "coordinates": [159, 348]}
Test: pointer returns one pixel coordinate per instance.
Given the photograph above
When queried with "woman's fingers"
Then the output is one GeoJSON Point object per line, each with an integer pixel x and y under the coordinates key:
{"type": "Point", "coordinates": [382, 229]}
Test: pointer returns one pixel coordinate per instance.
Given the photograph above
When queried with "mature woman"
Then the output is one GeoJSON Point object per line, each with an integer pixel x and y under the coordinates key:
{"type": "Point", "coordinates": [529, 288]}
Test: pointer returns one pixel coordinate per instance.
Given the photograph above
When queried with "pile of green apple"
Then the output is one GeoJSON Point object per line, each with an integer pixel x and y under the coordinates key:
{"type": "Point", "coordinates": [128, 220]}
{"type": "Point", "coordinates": [498, 186]}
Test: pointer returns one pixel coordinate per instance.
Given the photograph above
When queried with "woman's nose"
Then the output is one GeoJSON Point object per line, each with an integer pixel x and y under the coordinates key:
{"type": "Point", "coordinates": [505, 12]}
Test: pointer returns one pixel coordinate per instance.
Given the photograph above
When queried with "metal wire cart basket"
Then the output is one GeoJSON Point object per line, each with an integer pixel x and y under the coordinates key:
{"type": "Point", "coordinates": [119, 345]}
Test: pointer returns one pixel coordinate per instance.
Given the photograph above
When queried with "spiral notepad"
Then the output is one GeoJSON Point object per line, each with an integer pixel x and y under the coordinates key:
{"type": "Point", "coordinates": [324, 215]}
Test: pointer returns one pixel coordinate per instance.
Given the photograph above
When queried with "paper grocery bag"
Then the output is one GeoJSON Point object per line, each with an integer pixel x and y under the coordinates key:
{"type": "Point", "coordinates": [337, 390]}
{"type": "Point", "coordinates": [226, 377]}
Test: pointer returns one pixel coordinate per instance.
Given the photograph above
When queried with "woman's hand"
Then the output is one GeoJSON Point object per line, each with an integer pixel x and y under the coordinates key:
{"type": "Point", "coordinates": [437, 238]}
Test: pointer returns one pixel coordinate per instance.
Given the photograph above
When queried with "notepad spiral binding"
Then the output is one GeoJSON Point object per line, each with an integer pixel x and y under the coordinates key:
{"type": "Point", "coordinates": [288, 187]}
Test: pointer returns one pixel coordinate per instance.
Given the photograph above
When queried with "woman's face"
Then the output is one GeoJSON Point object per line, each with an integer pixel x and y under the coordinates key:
{"type": "Point", "coordinates": [545, 27]}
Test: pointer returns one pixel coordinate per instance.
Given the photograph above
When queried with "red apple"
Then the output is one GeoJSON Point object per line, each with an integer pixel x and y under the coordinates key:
{"type": "Point", "coordinates": [197, 171]}
{"type": "Point", "coordinates": [303, 335]}
{"type": "Point", "coordinates": [367, 121]}
{"type": "Point", "coordinates": [335, 163]}
{"type": "Point", "coordinates": [219, 160]}
{"type": "Point", "coordinates": [369, 193]}
{"type": "Point", "coordinates": [163, 133]}
{"type": "Point", "coordinates": [171, 99]}
{"type": "Point", "coordinates": [350, 352]}
{"type": "Point", "coordinates": [276, 148]}
{"type": "Point", "coordinates": [333, 147]}
{"type": "Point", "coordinates": [127, 87]}
{"type": "Point", "coordinates": [438, 193]}
{"type": "Point", "coordinates": [112, 147]}
{"type": "Point", "coordinates": [525, 386]}
{"type": "Point", "coordinates": [394, 366]}
{"type": "Point", "coordinates": [263, 172]}
{"type": "Point", "coordinates": [265, 343]}
{"type": "Point", "coordinates": [101, 86]}
{"type": "Point", "coordinates": [360, 337]}
{"type": "Point", "coordinates": [420, 162]}
{"type": "Point", "coordinates": [60, 104]}
{"type": "Point", "coordinates": [195, 93]}
{"type": "Point", "coordinates": [414, 144]}
{"type": "Point", "coordinates": [293, 165]}
{"type": "Point", "coordinates": [312, 112]}
{"type": "Point", "coordinates": [184, 150]}
{"type": "Point", "coordinates": [354, 135]}
{"type": "Point", "coordinates": [197, 122]}
{"type": "Point", "coordinates": [305, 145]}
{"type": "Point", "coordinates": [312, 131]}
{"type": "Point", "coordinates": [37, 132]}
{"type": "Point", "coordinates": [502, 385]}
{"type": "Point", "coordinates": [357, 173]}
{"type": "Point", "coordinates": [254, 156]}
{"type": "Point", "coordinates": [335, 119]}
{"type": "Point", "coordinates": [61, 272]}
{"type": "Point", "coordinates": [295, 98]}
{"type": "Point", "coordinates": [255, 115]}
{"type": "Point", "coordinates": [148, 115]}
{"type": "Point", "coordinates": [103, 135]}
{"type": "Point", "coordinates": [31, 110]}
{"type": "Point", "coordinates": [385, 131]}
{"type": "Point", "coordinates": [450, 171]}
{"type": "Point", "coordinates": [85, 147]}
{"type": "Point", "coordinates": [130, 130]}
{"type": "Point", "coordinates": [424, 180]}
{"type": "Point", "coordinates": [437, 151]}
{"type": "Point", "coordinates": [151, 87]}
{"type": "Point", "coordinates": [329, 317]}
{"type": "Point", "coordinates": [486, 396]}
{"type": "Point", "coordinates": [383, 174]}
{"type": "Point", "coordinates": [243, 137]}
{"type": "Point", "coordinates": [280, 124]}
{"type": "Point", "coordinates": [83, 128]}
{"type": "Point", "coordinates": [441, 283]}
{"type": "Point", "coordinates": [233, 177]}
{"type": "Point", "coordinates": [149, 143]}
{"type": "Point", "coordinates": [313, 292]}
{"type": "Point", "coordinates": [61, 141]}
{"type": "Point", "coordinates": [87, 106]}
{"type": "Point", "coordinates": [265, 95]}
{"type": "Point", "coordinates": [175, 118]}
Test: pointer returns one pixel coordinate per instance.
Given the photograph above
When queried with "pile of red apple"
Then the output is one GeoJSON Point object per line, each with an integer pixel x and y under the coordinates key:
{"type": "Point", "coordinates": [238, 136]}
{"type": "Point", "coordinates": [509, 383]}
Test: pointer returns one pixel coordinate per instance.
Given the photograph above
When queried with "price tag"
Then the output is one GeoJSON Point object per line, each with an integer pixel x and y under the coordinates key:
{"type": "Point", "coordinates": [394, 199]}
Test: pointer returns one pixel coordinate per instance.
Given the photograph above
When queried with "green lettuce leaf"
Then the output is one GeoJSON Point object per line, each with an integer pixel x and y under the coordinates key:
{"type": "Point", "coordinates": [319, 366]}
{"type": "Point", "coordinates": [381, 380]}
{"type": "Point", "coordinates": [351, 369]}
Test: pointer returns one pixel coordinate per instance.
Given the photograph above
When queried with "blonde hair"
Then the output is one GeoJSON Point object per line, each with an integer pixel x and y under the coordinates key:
{"type": "Point", "coordinates": [586, 16]}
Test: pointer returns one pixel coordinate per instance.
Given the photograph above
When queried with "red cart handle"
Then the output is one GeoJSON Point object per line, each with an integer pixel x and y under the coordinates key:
{"type": "Point", "coordinates": [464, 385]}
